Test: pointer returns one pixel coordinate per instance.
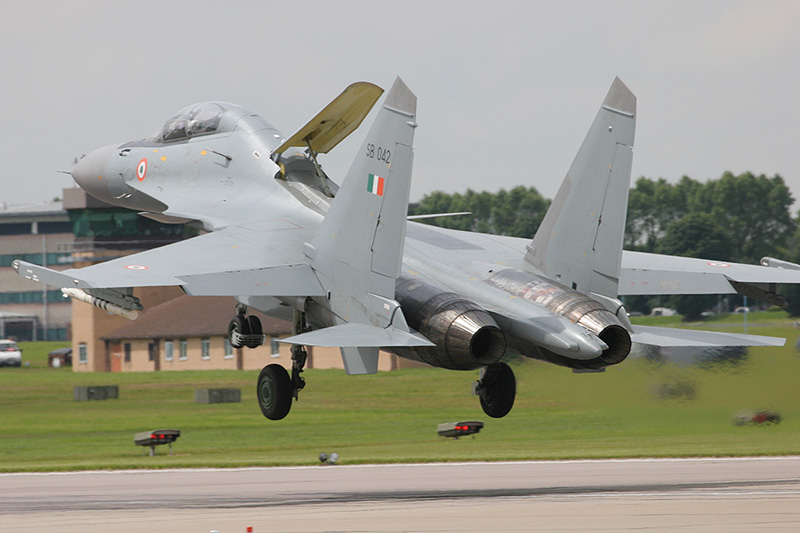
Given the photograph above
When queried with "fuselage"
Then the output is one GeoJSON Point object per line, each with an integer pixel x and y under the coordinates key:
{"type": "Point", "coordinates": [211, 163]}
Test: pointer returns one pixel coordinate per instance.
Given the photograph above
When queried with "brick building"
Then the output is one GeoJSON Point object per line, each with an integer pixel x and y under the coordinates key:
{"type": "Point", "coordinates": [190, 333]}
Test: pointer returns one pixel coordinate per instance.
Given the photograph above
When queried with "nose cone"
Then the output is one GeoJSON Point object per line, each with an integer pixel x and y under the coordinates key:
{"type": "Point", "coordinates": [92, 173]}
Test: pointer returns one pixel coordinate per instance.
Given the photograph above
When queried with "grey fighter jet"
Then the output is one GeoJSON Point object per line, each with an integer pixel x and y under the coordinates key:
{"type": "Point", "coordinates": [342, 261]}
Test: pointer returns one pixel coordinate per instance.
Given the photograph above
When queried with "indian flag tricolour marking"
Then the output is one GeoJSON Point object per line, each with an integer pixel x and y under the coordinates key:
{"type": "Point", "coordinates": [375, 184]}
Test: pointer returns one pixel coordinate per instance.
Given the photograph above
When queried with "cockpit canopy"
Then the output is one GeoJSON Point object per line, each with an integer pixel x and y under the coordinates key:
{"type": "Point", "coordinates": [198, 119]}
{"type": "Point", "coordinates": [209, 118]}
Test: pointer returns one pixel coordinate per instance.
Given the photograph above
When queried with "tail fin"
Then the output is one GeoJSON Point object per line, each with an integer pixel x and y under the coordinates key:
{"type": "Point", "coordinates": [580, 239]}
{"type": "Point", "coordinates": [359, 245]}
{"type": "Point", "coordinates": [357, 252]}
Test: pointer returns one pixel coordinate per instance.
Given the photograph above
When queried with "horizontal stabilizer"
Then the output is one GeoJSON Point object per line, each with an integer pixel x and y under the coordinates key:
{"type": "Point", "coordinates": [669, 337]}
{"type": "Point", "coordinates": [362, 335]}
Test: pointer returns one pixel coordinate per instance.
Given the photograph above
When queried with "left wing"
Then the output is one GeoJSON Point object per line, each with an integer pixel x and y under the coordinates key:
{"type": "Point", "coordinates": [644, 274]}
{"type": "Point", "coordinates": [261, 258]}
{"type": "Point", "coordinates": [691, 338]}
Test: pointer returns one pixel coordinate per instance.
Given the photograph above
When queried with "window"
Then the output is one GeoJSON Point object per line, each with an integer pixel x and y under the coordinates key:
{"type": "Point", "coordinates": [54, 227]}
{"type": "Point", "coordinates": [182, 346]}
{"type": "Point", "coordinates": [83, 353]}
{"type": "Point", "coordinates": [276, 347]}
{"type": "Point", "coordinates": [228, 349]}
{"type": "Point", "coordinates": [16, 228]}
{"type": "Point", "coordinates": [127, 347]}
{"type": "Point", "coordinates": [205, 346]}
{"type": "Point", "coordinates": [169, 348]}
{"type": "Point", "coordinates": [120, 223]}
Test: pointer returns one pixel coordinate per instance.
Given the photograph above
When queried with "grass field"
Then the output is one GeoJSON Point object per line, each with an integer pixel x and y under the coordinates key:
{"type": "Point", "coordinates": [392, 417]}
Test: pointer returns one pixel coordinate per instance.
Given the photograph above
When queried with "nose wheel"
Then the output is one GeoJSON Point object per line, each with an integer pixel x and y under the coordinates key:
{"type": "Point", "coordinates": [497, 389]}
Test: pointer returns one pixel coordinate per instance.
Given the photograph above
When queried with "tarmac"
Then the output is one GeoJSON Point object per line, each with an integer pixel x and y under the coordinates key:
{"type": "Point", "coordinates": [704, 495]}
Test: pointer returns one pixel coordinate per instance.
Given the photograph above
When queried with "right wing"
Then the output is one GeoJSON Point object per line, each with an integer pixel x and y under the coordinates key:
{"type": "Point", "coordinates": [262, 258]}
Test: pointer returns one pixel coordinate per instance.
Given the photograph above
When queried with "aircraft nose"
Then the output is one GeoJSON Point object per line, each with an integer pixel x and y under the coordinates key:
{"type": "Point", "coordinates": [91, 172]}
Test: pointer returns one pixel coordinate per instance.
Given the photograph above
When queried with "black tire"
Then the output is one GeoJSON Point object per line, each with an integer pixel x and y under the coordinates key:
{"type": "Point", "coordinates": [499, 388]}
{"type": "Point", "coordinates": [274, 392]}
{"type": "Point", "coordinates": [254, 327]}
{"type": "Point", "coordinates": [239, 325]}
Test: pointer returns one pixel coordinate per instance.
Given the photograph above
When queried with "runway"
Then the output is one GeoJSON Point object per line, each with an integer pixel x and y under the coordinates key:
{"type": "Point", "coordinates": [732, 494]}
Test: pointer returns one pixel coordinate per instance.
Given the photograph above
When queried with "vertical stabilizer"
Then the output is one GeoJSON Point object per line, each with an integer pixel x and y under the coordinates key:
{"type": "Point", "coordinates": [580, 240]}
{"type": "Point", "coordinates": [357, 252]}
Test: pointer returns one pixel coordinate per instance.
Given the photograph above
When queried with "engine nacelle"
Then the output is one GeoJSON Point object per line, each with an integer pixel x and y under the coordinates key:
{"type": "Point", "coordinates": [466, 336]}
{"type": "Point", "coordinates": [577, 307]}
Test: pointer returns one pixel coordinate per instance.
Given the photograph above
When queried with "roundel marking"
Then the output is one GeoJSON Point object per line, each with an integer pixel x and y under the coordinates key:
{"type": "Point", "coordinates": [141, 169]}
{"type": "Point", "coordinates": [718, 265]}
{"type": "Point", "coordinates": [136, 267]}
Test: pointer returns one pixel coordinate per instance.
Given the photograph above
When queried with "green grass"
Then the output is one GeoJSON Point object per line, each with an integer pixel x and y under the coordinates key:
{"type": "Point", "coordinates": [392, 417]}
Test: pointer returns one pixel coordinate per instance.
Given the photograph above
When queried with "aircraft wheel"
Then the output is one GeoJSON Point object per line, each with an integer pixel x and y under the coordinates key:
{"type": "Point", "coordinates": [254, 326]}
{"type": "Point", "coordinates": [498, 389]}
{"type": "Point", "coordinates": [274, 392]}
{"type": "Point", "coordinates": [238, 326]}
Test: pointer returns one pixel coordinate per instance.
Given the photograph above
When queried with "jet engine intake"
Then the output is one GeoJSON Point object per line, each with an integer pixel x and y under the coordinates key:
{"type": "Point", "coordinates": [577, 307]}
{"type": "Point", "coordinates": [466, 336]}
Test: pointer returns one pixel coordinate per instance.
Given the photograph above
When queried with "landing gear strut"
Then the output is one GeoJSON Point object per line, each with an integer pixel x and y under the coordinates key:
{"type": "Point", "coordinates": [496, 388]}
{"type": "Point", "coordinates": [245, 330]}
{"type": "Point", "coordinates": [275, 389]}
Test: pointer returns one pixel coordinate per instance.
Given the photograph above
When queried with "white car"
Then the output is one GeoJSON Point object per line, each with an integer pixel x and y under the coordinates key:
{"type": "Point", "coordinates": [10, 354]}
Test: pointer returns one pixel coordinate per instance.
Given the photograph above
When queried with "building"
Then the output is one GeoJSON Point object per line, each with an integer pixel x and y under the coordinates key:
{"type": "Point", "coordinates": [190, 333]}
{"type": "Point", "coordinates": [39, 233]}
{"type": "Point", "coordinates": [77, 231]}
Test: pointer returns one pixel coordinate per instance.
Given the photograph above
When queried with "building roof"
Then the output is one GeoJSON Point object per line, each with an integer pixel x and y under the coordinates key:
{"type": "Point", "coordinates": [191, 316]}
{"type": "Point", "coordinates": [55, 207]}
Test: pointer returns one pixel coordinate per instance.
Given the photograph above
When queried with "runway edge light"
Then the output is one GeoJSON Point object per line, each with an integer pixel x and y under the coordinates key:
{"type": "Point", "coordinates": [459, 429]}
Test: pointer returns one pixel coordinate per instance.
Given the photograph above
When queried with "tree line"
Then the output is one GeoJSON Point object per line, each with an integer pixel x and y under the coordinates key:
{"type": "Point", "coordinates": [738, 218]}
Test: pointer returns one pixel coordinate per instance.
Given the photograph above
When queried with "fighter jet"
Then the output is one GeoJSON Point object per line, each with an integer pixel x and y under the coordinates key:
{"type": "Point", "coordinates": [342, 261]}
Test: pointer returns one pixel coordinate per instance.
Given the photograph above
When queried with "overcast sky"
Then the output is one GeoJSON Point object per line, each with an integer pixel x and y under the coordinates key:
{"type": "Point", "coordinates": [506, 90]}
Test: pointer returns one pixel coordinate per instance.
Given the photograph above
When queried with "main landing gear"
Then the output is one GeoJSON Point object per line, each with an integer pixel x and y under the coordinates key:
{"type": "Point", "coordinates": [245, 330]}
{"type": "Point", "coordinates": [275, 389]}
{"type": "Point", "coordinates": [496, 388]}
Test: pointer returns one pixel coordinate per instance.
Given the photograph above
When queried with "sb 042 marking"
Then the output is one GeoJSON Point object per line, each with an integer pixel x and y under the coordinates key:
{"type": "Point", "coordinates": [381, 154]}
